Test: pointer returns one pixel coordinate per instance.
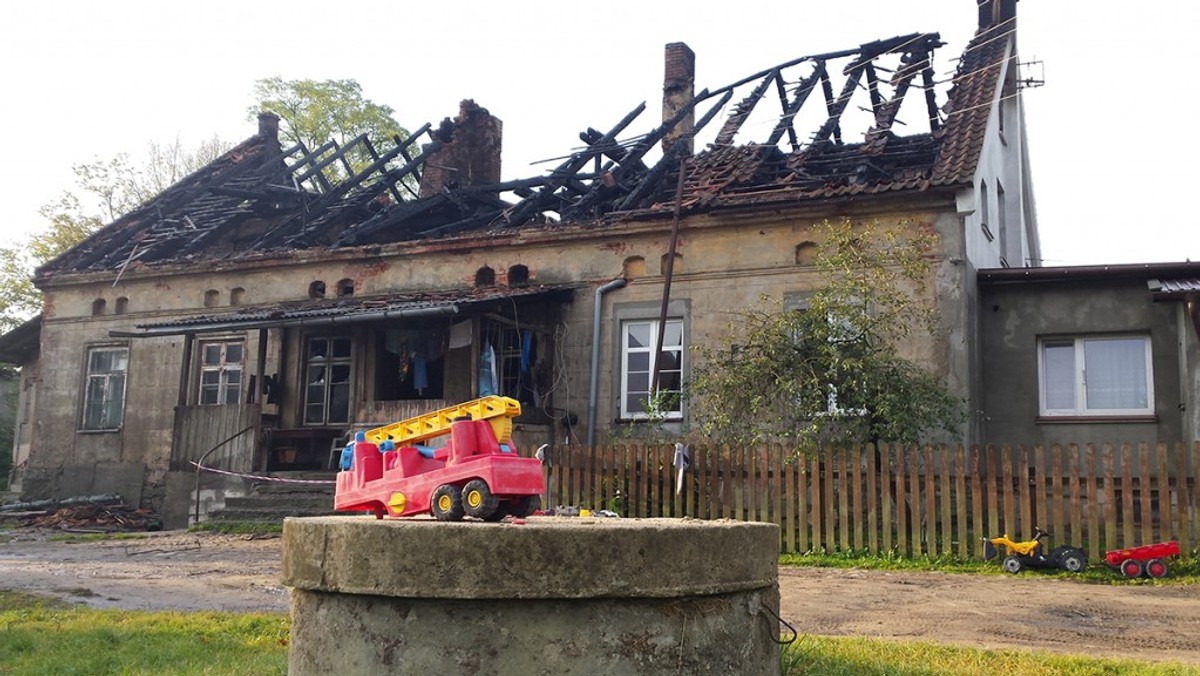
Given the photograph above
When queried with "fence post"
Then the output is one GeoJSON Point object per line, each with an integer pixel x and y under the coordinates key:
{"type": "Point", "coordinates": [960, 489]}
{"type": "Point", "coordinates": [1093, 507]}
{"type": "Point", "coordinates": [1127, 516]}
{"type": "Point", "coordinates": [931, 515]}
{"type": "Point", "coordinates": [977, 525]}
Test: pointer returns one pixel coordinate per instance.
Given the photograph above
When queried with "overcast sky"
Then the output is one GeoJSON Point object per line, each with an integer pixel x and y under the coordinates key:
{"type": "Point", "coordinates": [1110, 141]}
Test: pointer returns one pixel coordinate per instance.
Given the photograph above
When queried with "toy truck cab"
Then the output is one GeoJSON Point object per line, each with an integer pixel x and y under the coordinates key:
{"type": "Point", "coordinates": [477, 473]}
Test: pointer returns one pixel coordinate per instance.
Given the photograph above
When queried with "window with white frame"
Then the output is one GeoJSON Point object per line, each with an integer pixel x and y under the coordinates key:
{"type": "Point", "coordinates": [638, 342]}
{"type": "Point", "coordinates": [327, 380]}
{"type": "Point", "coordinates": [221, 369]}
{"type": "Point", "coordinates": [1096, 376]}
{"type": "Point", "coordinates": [104, 393]}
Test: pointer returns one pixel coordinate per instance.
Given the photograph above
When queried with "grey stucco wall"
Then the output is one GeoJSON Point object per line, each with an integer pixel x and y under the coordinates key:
{"type": "Point", "coordinates": [1014, 317]}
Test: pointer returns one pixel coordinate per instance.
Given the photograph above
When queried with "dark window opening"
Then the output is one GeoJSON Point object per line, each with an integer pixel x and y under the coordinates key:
{"type": "Point", "coordinates": [518, 275]}
{"type": "Point", "coordinates": [316, 289]}
{"type": "Point", "coordinates": [122, 305]}
{"type": "Point", "coordinates": [236, 295]}
{"type": "Point", "coordinates": [211, 298]}
{"type": "Point", "coordinates": [98, 306]}
{"type": "Point", "coordinates": [485, 276]}
{"type": "Point", "coordinates": [345, 287]}
{"type": "Point", "coordinates": [410, 364]}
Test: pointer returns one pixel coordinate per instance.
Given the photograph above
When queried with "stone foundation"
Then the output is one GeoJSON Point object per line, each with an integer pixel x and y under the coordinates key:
{"type": "Point", "coordinates": [553, 596]}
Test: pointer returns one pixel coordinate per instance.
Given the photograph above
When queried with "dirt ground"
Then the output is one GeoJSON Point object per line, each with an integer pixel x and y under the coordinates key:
{"type": "Point", "coordinates": [239, 573]}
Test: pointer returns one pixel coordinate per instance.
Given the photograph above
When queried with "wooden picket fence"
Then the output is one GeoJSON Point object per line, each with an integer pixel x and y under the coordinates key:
{"type": "Point", "coordinates": [913, 501]}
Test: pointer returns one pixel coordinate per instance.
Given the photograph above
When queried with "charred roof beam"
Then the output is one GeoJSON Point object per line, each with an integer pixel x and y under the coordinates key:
{"type": "Point", "coordinates": [786, 122]}
{"type": "Point", "coordinates": [743, 109]}
{"type": "Point", "coordinates": [524, 210]}
{"type": "Point", "coordinates": [670, 159]}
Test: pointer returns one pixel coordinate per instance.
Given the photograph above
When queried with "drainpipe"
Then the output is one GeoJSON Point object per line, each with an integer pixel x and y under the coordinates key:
{"type": "Point", "coordinates": [594, 385]}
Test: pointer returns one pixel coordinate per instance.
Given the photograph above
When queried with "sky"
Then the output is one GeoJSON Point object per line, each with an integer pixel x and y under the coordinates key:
{"type": "Point", "coordinates": [1109, 135]}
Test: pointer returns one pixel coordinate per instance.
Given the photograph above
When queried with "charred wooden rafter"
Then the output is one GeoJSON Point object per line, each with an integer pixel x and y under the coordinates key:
{"type": "Point", "coordinates": [313, 198]}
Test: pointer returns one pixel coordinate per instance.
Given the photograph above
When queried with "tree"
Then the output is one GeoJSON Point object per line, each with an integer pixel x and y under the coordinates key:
{"type": "Point", "coordinates": [104, 190]}
{"type": "Point", "coordinates": [313, 112]}
{"type": "Point", "coordinates": [831, 372]}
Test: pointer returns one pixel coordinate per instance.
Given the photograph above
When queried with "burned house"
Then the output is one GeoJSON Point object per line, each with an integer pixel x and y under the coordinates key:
{"type": "Point", "coordinates": [279, 297]}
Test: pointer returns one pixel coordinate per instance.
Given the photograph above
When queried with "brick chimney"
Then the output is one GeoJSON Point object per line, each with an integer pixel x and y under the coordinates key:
{"type": "Point", "coordinates": [679, 83]}
{"type": "Point", "coordinates": [268, 125]}
{"type": "Point", "coordinates": [466, 152]}
{"type": "Point", "coordinates": [995, 12]}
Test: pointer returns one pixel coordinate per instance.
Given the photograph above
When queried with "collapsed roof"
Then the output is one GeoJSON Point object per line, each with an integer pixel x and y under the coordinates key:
{"type": "Point", "coordinates": [260, 199]}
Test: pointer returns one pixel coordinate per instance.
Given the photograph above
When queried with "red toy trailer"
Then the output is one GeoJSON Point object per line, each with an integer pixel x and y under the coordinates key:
{"type": "Point", "coordinates": [1148, 559]}
{"type": "Point", "coordinates": [476, 473]}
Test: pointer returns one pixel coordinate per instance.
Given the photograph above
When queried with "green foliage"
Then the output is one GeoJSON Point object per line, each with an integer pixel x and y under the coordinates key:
{"type": "Point", "coordinates": [831, 372]}
{"type": "Point", "coordinates": [43, 637]}
{"type": "Point", "coordinates": [104, 191]}
{"type": "Point", "coordinates": [313, 112]}
{"type": "Point", "coordinates": [820, 655]}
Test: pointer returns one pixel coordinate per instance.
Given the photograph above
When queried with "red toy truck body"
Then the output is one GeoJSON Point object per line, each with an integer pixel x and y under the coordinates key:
{"type": "Point", "coordinates": [474, 474]}
{"type": "Point", "coordinates": [1148, 559]}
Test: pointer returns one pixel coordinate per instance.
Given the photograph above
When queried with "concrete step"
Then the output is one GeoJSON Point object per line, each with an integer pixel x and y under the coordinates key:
{"type": "Point", "coordinates": [265, 514]}
{"type": "Point", "coordinates": [306, 501]}
{"type": "Point", "coordinates": [283, 488]}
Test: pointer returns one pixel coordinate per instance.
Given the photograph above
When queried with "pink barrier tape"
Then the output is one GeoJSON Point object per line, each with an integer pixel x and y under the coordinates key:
{"type": "Point", "coordinates": [262, 478]}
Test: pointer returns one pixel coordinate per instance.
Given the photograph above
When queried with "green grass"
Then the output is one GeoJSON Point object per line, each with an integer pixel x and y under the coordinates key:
{"type": "Point", "coordinates": [236, 527]}
{"type": "Point", "coordinates": [44, 636]}
{"type": "Point", "coordinates": [1183, 570]}
{"type": "Point", "coordinates": [822, 656]}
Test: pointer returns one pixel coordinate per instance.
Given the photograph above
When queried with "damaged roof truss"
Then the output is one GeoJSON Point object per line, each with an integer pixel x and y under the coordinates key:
{"type": "Point", "coordinates": [314, 198]}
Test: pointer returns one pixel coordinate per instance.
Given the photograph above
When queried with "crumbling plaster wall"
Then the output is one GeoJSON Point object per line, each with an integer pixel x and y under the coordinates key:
{"type": "Point", "coordinates": [728, 262]}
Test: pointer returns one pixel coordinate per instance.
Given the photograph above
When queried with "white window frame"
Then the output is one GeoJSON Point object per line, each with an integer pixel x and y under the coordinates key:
{"type": "Point", "coordinates": [108, 391]}
{"type": "Point", "coordinates": [1081, 408]}
{"type": "Point", "coordinates": [650, 349]}
{"type": "Point", "coordinates": [317, 376]}
{"type": "Point", "coordinates": [223, 370]}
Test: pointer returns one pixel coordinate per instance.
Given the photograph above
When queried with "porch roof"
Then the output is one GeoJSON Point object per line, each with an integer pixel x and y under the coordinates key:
{"type": "Point", "coordinates": [21, 344]}
{"type": "Point", "coordinates": [349, 310]}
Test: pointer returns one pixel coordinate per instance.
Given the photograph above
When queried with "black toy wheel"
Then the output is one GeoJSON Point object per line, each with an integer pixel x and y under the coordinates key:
{"type": "Point", "coordinates": [1013, 564]}
{"type": "Point", "coordinates": [1156, 568]}
{"type": "Point", "coordinates": [522, 507]}
{"type": "Point", "coordinates": [500, 513]}
{"type": "Point", "coordinates": [447, 503]}
{"type": "Point", "coordinates": [1131, 568]}
{"type": "Point", "coordinates": [478, 501]}
{"type": "Point", "coordinates": [1072, 561]}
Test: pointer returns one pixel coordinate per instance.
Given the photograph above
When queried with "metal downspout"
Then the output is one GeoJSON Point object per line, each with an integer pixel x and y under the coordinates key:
{"type": "Point", "coordinates": [593, 382]}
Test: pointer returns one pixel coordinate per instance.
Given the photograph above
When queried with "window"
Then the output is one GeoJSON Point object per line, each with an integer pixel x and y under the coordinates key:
{"type": "Point", "coordinates": [409, 364]}
{"type": "Point", "coordinates": [509, 361]}
{"type": "Point", "coordinates": [638, 341]}
{"type": "Point", "coordinates": [104, 394]}
{"type": "Point", "coordinates": [1099, 376]}
{"type": "Point", "coordinates": [221, 372]}
{"type": "Point", "coordinates": [327, 381]}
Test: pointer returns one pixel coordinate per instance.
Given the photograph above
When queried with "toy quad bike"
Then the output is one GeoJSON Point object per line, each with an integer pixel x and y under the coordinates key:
{"type": "Point", "coordinates": [1032, 554]}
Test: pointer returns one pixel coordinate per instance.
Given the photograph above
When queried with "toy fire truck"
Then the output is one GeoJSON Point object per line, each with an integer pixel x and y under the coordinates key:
{"type": "Point", "coordinates": [394, 470]}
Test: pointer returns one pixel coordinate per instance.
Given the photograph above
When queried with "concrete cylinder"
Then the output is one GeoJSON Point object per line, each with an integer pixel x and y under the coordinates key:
{"type": "Point", "coordinates": [555, 595]}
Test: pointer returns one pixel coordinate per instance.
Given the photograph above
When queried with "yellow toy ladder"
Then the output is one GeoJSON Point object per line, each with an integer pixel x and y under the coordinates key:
{"type": "Point", "coordinates": [498, 411]}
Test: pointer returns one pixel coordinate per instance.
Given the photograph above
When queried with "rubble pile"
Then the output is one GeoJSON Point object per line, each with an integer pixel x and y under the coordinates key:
{"type": "Point", "coordinates": [100, 516]}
